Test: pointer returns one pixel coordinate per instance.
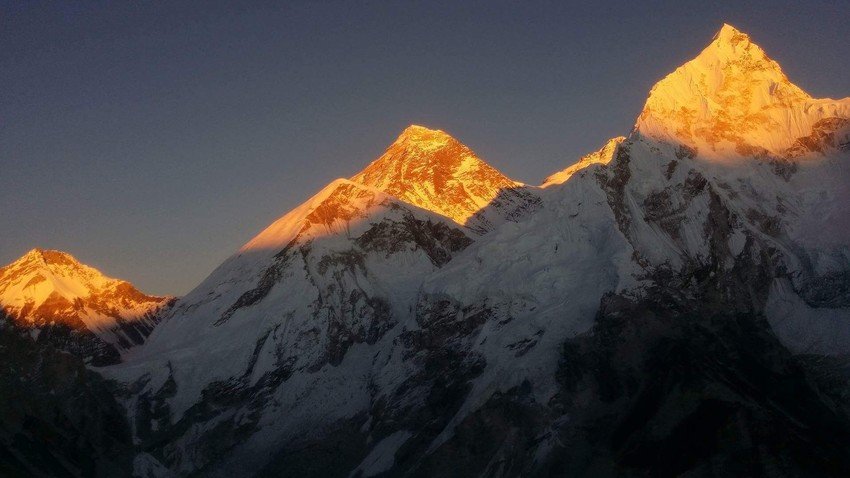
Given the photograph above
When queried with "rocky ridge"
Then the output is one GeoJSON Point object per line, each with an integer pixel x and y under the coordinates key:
{"type": "Point", "coordinates": [675, 303]}
{"type": "Point", "coordinates": [60, 300]}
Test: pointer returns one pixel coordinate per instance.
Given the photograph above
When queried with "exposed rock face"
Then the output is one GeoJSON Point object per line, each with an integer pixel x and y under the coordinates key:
{"type": "Point", "coordinates": [630, 323]}
{"type": "Point", "coordinates": [825, 137]}
{"type": "Point", "coordinates": [733, 99]}
{"type": "Point", "coordinates": [57, 417]}
{"type": "Point", "coordinates": [75, 307]}
{"type": "Point", "coordinates": [674, 304]}
{"type": "Point", "coordinates": [328, 281]}
{"type": "Point", "coordinates": [432, 170]}
{"type": "Point", "coordinates": [660, 388]}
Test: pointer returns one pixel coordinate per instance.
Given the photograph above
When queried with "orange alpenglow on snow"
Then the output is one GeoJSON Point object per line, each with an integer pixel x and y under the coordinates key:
{"type": "Point", "coordinates": [432, 170]}
{"type": "Point", "coordinates": [424, 167]}
{"type": "Point", "coordinates": [335, 208]}
{"type": "Point", "coordinates": [733, 100]}
{"type": "Point", "coordinates": [603, 156]}
{"type": "Point", "coordinates": [47, 287]}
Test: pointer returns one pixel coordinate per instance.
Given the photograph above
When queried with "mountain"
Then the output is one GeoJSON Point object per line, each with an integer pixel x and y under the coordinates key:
{"type": "Point", "coordinates": [59, 300]}
{"type": "Point", "coordinates": [328, 278]}
{"type": "Point", "coordinates": [602, 156]}
{"type": "Point", "coordinates": [58, 417]}
{"type": "Point", "coordinates": [732, 99]}
{"type": "Point", "coordinates": [432, 170]}
{"type": "Point", "coordinates": [676, 303]}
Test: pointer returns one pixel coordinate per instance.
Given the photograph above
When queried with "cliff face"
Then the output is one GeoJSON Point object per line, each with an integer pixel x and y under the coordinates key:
{"type": "Point", "coordinates": [58, 418]}
{"type": "Point", "coordinates": [676, 303]}
{"type": "Point", "coordinates": [646, 312]}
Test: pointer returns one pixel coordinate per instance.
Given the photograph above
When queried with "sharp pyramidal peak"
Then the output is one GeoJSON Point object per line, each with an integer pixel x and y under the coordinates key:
{"type": "Point", "coordinates": [734, 100]}
{"type": "Point", "coordinates": [683, 292]}
{"type": "Point", "coordinates": [432, 170]}
{"type": "Point", "coordinates": [45, 289]}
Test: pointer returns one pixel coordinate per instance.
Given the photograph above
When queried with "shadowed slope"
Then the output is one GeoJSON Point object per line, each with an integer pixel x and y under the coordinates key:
{"type": "Point", "coordinates": [65, 302]}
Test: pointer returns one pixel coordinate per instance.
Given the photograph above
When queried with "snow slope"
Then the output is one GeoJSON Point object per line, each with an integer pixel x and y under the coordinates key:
{"type": "Point", "coordinates": [602, 156]}
{"type": "Point", "coordinates": [733, 100]}
{"type": "Point", "coordinates": [46, 288]}
{"type": "Point", "coordinates": [368, 331]}
{"type": "Point", "coordinates": [337, 272]}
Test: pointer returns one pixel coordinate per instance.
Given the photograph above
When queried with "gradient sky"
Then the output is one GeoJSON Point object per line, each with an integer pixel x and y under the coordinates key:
{"type": "Point", "coordinates": [151, 139]}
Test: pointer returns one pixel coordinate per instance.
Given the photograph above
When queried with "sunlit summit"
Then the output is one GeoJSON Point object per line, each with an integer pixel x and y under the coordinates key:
{"type": "Point", "coordinates": [674, 303]}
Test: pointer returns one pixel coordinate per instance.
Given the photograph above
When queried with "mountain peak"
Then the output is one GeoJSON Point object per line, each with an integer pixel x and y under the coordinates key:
{"type": "Point", "coordinates": [733, 99]}
{"type": "Point", "coordinates": [731, 45]}
{"type": "Point", "coordinates": [421, 138]}
{"type": "Point", "coordinates": [48, 257]}
{"type": "Point", "coordinates": [421, 134]}
{"type": "Point", "coordinates": [432, 170]}
{"type": "Point", "coordinates": [49, 286]}
{"type": "Point", "coordinates": [730, 35]}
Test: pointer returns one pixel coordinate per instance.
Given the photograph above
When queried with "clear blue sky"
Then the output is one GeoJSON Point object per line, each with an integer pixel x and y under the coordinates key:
{"type": "Point", "coordinates": [152, 139]}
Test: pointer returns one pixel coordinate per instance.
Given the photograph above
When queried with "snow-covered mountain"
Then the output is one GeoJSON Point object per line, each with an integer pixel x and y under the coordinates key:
{"type": "Point", "coordinates": [602, 156]}
{"type": "Point", "coordinates": [361, 334]}
{"type": "Point", "coordinates": [337, 272]}
{"type": "Point", "coordinates": [733, 100]}
{"type": "Point", "coordinates": [684, 292]}
{"type": "Point", "coordinates": [58, 299]}
{"type": "Point", "coordinates": [430, 169]}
